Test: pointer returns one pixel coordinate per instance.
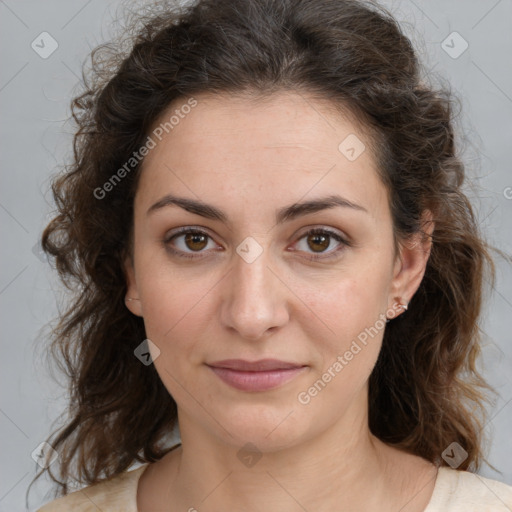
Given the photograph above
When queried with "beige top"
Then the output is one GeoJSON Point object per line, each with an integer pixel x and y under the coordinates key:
{"type": "Point", "coordinates": [454, 491]}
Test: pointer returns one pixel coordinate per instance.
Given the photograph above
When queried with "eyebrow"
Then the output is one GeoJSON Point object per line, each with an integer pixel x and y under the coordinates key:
{"type": "Point", "coordinates": [284, 214]}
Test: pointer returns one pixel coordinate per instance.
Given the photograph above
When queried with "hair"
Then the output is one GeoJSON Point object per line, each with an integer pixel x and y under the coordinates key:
{"type": "Point", "coordinates": [425, 391]}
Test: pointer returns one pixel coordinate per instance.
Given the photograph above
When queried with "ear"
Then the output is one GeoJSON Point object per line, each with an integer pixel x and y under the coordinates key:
{"type": "Point", "coordinates": [131, 287]}
{"type": "Point", "coordinates": [412, 261]}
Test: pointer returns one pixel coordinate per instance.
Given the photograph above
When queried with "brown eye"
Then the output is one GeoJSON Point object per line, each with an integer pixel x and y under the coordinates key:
{"type": "Point", "coordinates": [186, 242]}
{"type": "Point", "coordinates": [196, 241]}
{"type": "Point", "coordinates": [318, 242]}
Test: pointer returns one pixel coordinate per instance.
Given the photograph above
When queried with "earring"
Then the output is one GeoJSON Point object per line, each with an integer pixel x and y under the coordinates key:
{"type": "Point", "coordinates": [127, 299]}
{"type": "Point", "coordinates": [405, 307]}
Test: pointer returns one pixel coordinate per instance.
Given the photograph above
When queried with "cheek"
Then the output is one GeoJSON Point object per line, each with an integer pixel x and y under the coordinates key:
{"type": "Point", "coordinates": [350, 304]}
{"type": "Point", "coordinates": [347, 352]}
{"type": "Point", "coordinates": [173, 314]}
{"type": "Point", "coordinates": [169, 302]}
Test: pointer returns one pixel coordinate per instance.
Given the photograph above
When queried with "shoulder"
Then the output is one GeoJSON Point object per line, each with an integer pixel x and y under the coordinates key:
{"type": "Point", "coordinates": [118, 493]}
{"type": "Point", "coordinates": [463, 491]}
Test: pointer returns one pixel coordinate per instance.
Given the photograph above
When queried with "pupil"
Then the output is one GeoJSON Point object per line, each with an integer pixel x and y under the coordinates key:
{"type": "Point", "coordinates": [193, 238]}
{"type": "Point", "coordinates": [324, 241]}
{"type": "Point", "coordinates": [196, 238]}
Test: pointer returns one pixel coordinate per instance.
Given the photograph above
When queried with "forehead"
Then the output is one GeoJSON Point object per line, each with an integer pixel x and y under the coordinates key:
{"type": "Point", "coordinates": [283, 118]}
{"type": "Point", "coordinates": [286, 143]}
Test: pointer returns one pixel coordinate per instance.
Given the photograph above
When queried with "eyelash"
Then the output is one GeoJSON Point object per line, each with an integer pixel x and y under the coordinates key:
{"type": "Point", "coordinates": [314, 231]}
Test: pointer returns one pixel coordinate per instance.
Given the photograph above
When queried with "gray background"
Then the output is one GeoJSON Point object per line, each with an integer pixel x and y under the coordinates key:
{"type": "Point", "coordinates": [34, 102]}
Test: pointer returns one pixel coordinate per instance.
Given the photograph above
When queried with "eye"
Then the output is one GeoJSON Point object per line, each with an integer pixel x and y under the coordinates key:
{"type": "Point", "coordinates": [320, 239]}
{"type": "Point", "coordinates": [193, 240]}
{"type": "Point", "coordinates": [186, 241]}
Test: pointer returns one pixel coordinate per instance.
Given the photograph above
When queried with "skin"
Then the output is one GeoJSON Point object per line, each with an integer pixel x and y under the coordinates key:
{"type": "Point", "coordinates": [250, 158]}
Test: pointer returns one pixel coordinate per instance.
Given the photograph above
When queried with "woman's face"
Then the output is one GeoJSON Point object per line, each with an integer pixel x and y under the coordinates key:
{"type": "Point", "coordinates": [246, 286]}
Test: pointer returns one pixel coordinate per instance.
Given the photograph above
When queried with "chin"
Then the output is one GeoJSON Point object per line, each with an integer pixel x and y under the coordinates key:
{"type": "Point", "coordinates": [268, 428]}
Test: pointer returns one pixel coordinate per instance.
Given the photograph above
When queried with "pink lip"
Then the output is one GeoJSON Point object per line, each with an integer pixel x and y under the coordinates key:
{"type": "Point", "coordinates": [255, 376]}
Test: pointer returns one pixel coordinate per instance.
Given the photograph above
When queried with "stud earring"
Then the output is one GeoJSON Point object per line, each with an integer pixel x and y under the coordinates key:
{"type": "Point", "coordinates": [405, 307]}
{"type": "Point", "coordinates": [127, 299]}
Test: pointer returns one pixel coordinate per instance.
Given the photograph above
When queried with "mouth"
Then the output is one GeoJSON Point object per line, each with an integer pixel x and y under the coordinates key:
{"type": "Point", "coordinates": [260, 375]}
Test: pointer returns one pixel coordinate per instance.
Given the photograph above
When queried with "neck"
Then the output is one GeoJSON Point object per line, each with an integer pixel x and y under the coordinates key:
{"type": "Point", "coordinates": [343, 464]}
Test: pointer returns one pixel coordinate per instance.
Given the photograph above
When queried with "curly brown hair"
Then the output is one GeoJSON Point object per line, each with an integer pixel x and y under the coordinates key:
{"type": "Point", "coordinates": [425, 389]}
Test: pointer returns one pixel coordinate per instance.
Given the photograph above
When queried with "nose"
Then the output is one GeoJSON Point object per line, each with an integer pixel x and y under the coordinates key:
{"type": "Point", "coordinates": [255, 300]}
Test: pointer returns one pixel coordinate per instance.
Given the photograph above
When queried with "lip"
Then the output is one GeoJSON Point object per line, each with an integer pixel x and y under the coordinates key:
{"type": "Point", "coordinates": [259, 375]}
{"type": "Point", "coordinates": [255, 366]}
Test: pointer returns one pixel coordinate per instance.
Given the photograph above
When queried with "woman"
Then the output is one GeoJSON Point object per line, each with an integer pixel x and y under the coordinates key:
{"type": "Point", "coordinates": [275, 256]}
